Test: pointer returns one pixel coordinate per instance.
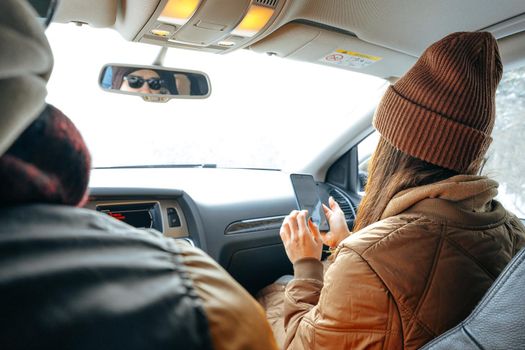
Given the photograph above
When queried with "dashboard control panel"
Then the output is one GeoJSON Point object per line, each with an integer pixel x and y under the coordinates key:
{"type": "Point", "coordinates": [164, 215]}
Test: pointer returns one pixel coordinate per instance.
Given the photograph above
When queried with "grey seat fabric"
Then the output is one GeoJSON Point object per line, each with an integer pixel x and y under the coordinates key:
{"type": "Point", "coordinates": [498, 322]}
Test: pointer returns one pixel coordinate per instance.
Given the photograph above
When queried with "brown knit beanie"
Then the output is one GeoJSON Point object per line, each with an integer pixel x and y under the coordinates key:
{"type": "Point", "coordinates": [442, 110]}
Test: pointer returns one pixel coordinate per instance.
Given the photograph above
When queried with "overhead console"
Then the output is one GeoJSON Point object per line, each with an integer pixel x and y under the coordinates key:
{"type": "Point", "coordinates": [214, 26]}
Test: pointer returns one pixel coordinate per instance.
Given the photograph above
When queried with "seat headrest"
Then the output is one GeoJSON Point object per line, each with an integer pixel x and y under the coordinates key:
{"type": "Point", "coordinates": [26, 62]}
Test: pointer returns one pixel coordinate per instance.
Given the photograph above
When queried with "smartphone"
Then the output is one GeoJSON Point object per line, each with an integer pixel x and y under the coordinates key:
{"type": "Point", "coordinates": [307, 198]}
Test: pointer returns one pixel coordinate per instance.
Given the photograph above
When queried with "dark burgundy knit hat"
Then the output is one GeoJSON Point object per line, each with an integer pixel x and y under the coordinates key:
{"type": "Point", "coordinates": [443, 109]}
{"type": "Point", "coordinates": [48, 163]}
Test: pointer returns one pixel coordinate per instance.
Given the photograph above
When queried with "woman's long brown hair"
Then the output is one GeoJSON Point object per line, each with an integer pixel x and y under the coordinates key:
{"type": "Point", "coordinates": [391, 171]}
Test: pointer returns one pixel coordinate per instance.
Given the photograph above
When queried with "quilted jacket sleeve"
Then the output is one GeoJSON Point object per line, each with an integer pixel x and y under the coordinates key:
{"type": "Point", "coordinates": [350, 309]}
{"type": "Point", "coordinates": [236, 320]}
{"type": "Point", "coordinates": [517, 238]}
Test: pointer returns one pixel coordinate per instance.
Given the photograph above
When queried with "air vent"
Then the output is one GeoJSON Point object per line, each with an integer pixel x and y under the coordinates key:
{"type": "Point", "coordinates": [267, 3]}
{"type": "Point", "coordinates": [344, 203]}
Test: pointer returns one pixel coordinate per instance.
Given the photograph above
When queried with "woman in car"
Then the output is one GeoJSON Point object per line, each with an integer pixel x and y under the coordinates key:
{"type": "Point", "coordinates": [72, 278]}
{"type": "Point", "coordinates": [429, 238]}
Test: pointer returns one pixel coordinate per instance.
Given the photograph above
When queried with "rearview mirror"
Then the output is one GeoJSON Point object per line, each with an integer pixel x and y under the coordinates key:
{"type": "Point", "coordinates": [154, 83]}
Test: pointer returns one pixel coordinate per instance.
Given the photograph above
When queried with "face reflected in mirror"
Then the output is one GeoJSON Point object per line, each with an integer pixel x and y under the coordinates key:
{"type": "Point", "coordinates": [142, 80]}
{"type": "Point", "coordinates": [146, 81]}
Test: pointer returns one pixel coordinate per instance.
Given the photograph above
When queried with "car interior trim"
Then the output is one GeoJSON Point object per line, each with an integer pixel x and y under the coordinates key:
{"type": "Point", "coordinates": [167, 211]}
{"type": "Point", "coordinates": [254, 225]}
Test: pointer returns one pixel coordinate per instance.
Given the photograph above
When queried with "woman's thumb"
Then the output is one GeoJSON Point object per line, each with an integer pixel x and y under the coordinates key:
{"type": "Point", "coordinates": [333, 204]}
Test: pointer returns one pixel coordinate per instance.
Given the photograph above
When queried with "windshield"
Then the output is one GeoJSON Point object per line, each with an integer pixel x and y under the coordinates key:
{"type": "Point", "coordinates": [264, 112]}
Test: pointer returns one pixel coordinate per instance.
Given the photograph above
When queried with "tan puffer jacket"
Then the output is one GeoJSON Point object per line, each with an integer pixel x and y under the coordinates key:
{"type": "Point", "coordinates": [408, 278]}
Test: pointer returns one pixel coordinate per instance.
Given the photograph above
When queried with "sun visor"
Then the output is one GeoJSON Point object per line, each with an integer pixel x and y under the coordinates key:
{"type": "Point", "coordinates": [96, 13]}
{"type": "Point", "coordinates": [307, 42]}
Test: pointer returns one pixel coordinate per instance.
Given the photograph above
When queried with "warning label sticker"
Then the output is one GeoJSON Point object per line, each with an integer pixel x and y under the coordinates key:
{"type": "Point", "coordinates": [350, 59]}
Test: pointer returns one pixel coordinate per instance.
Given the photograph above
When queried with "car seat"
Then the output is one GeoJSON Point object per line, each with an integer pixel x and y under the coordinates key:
{"type": "Point", "coordinates": [498, 322]}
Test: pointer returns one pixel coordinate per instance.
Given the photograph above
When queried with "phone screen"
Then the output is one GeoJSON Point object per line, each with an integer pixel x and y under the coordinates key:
{"type": "Point", "coordinates": [307, 197]}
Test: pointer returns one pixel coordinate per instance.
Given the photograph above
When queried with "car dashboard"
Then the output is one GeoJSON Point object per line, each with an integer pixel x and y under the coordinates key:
{"type": "Point", "coordinates": [232, 214]}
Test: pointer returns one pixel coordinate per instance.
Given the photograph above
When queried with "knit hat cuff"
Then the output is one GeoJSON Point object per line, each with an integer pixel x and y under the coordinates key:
{"type": "Point", "coordinates": [427, 135]}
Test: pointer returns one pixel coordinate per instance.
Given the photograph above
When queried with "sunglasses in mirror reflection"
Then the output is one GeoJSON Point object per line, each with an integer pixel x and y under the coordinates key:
{"type": "Point", "coordinates": [141, 80]}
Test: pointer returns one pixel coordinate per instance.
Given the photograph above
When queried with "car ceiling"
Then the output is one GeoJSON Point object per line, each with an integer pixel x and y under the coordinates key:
{"type": "Point", "coordinates": [397, 30]}
{"type": "Point", "coordinates": [403, 25]}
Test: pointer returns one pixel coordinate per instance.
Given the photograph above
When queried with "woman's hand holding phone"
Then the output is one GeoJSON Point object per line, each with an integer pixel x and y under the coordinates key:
{"type": "Point", "coordinates": [301, 238]}
{"type": "Point", "coordinates": [338, 227]}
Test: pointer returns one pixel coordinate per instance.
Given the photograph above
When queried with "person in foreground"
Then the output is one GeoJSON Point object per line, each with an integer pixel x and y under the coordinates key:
{"type": "Point", "coordinates": [429, 238]}
{"type": "Point", "coordinates": [73, 278]}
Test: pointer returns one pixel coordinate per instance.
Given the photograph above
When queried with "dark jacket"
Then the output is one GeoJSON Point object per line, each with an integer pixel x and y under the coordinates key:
{"type": "Point", "coordinates": [76, 279]}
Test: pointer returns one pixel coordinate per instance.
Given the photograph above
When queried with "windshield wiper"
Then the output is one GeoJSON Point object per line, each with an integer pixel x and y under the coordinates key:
{"type": "Point", "coordinates": [159, 166]}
